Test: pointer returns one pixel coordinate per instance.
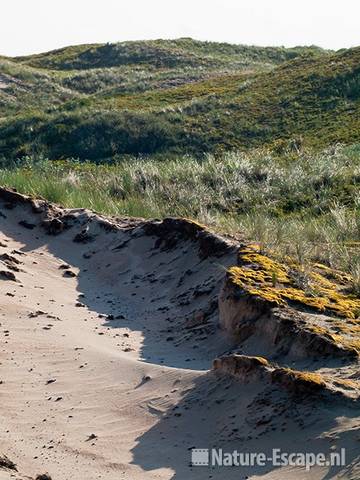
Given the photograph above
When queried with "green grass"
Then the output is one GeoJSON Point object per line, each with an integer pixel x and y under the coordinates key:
{"type": "Point", "coordinates": [234, 136]}
{"type": "Point", "coordinates": [25, 89]}
{"type": "Point", "coordinates": [303, 204]}
{"type": "Point", "coordinates": [184, 52]}
{"type": "Point", "coordinates": [213, 98]}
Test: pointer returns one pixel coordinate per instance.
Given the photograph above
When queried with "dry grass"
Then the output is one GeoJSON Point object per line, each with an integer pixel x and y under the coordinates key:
{"type": "Point", "coordinates": [303, 204]}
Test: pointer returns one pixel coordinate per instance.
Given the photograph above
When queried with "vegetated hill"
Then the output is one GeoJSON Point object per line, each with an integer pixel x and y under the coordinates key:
{"type": "Point", "coordinates": [128, 67]}
{"type": "Point", "coordinates": [162, 53]}
{"type": "Point", "coordinates": [181, 96]}
{"type": "Point", "coordinates": [25, 88]}
{"type": "Point", "coordinates": [317, 99]}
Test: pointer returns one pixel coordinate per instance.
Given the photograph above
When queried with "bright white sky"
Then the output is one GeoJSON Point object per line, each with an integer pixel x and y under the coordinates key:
{"type": "Point", "coordinates": [30, 26]}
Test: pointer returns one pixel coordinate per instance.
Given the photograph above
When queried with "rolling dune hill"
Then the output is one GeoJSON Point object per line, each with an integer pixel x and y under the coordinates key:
{"type": "Point", "coordinates": [181, 96]}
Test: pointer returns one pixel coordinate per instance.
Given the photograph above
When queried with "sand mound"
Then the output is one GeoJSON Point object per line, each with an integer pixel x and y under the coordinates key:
{"type": "Point", "coordinates": [110, 328]}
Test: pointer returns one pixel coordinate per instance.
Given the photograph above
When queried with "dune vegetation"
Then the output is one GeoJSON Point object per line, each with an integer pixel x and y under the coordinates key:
{"type": "Point", "coordinates": [303, 204]}
{"type": "Point", "coordinates": [262, 143]}
{"type": "Point", "coordinates": [163, 204]}
{"type": "Point", "coordinates": [93, 102]}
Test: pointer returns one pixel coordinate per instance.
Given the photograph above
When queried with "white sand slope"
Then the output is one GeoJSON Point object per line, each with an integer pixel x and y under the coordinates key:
{"type": "Point", "coordinates": [106, 346]}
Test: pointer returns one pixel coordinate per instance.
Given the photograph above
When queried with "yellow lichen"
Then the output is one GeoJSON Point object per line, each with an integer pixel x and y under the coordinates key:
{"type": "Point", "coordinates": [262, 360]}
{"type": "Point", "coordinates": [346, 341]}
{"type": "Point", "coordinates": [195, 223]}
{"type": "Point", "coordinates": [309, 377]}
{"type": "Point", "coordinates": [340, 277]}
{"type": "Point", "coordinates": [275, 282]}
{"type": "Point", "coordinates": [345, 382]}
{"type": "Point", "coordinates": [298, 381]}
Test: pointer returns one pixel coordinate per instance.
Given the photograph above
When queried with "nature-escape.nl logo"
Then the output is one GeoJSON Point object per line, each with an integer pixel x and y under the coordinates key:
{"type": "Point", "coordinates": [204, 457]}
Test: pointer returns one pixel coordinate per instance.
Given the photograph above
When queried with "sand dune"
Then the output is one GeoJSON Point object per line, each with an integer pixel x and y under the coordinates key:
{"type": "Point", "coordinates": [109, 331]}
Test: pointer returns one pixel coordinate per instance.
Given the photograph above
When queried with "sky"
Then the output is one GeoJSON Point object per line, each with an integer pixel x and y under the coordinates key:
{"type": "Point", "coordinates": [32, 26]}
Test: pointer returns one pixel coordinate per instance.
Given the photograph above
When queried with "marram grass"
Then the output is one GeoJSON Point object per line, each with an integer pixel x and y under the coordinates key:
{"type": "Point", "coordinates": [305, 205]}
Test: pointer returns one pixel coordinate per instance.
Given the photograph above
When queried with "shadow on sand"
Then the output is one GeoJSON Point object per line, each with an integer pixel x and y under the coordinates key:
{"type": "Point", "coordinates": [127, 279]}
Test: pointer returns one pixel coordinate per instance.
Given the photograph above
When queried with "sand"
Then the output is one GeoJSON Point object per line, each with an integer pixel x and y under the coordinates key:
{"type": "Point", "coordinates": [105, 361]}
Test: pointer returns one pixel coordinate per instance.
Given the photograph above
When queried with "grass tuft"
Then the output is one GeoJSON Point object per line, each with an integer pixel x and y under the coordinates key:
{"type": "Point", "coordinates": [306, 206]}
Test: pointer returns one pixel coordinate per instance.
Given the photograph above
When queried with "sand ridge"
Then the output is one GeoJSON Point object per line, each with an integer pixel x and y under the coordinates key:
{"type": "Point", "coordinates": [109, 329]}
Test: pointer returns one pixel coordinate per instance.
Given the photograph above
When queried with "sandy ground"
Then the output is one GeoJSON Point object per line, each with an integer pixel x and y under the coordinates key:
{"type": "Point", "coordinates": [105, 371]}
